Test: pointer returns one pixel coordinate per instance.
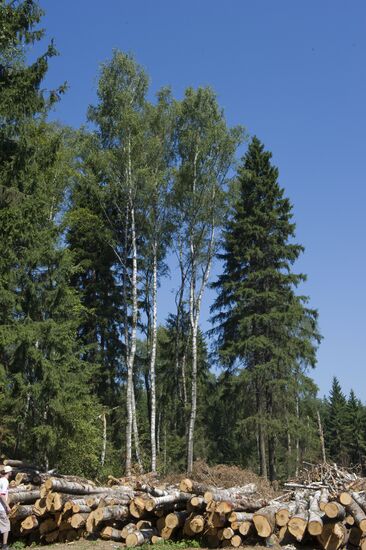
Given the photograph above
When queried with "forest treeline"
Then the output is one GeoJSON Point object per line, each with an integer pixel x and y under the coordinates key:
{"type": "Point", "coordinates": [92, 221]}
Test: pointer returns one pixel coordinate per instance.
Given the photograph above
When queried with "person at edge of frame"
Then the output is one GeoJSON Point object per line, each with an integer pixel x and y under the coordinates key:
{"type": "Point", "coordinates": [5, 473]}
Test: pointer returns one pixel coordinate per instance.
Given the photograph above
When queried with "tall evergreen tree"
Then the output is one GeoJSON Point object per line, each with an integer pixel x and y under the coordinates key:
{"type": "Point", "coordinates": [336, 429]}
{"type": "Point", "coordinates": [45, 384]}
{"type": "Point", "coordinates": [262, 325]}
{"type": "Point", "coordinates": [356, 430]}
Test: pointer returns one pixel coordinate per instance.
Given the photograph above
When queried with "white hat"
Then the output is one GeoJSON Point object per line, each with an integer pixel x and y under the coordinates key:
{"type": "Point", "coordinates": [7, 469]}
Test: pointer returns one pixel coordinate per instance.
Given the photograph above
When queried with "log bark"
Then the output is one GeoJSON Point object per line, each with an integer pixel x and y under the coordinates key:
{"type": "Point", "coordinates": [75, 488]}
{"type": "Point", "coordinates": [324, 497]}
{"type": "Point", "coordinates": [355, 536]}
{"type": "Point", "coordinates": [187, 531]}
{"type": "Point", "coordinates": [144, 524]}
{"type": "Point", "coordinates": [358, 514]}
{"type": "Point", "coordinates": [176, 519]}
{"type": "Point", "coordinates": [40, 507]}
{"type": "Point", "coordinates": [228, 533]}
{"type": "Point", "coordinates": [110, 533]}
{"type": "Point", "coordinates": [245, 527]}
{"type": "Point", "coordinates": [234, 493]}
{"type": "Point", "coordinates": [19, 512]}
{"type": "Point", "coordinates": [212, 541]}
{"type": "Point", "coordinates": [196, 524]}
{"type": "Point", "coordinates": [110, 513]}
{"type": "Point", "coordinates": [333, 536]}
{"type": "Point", "coordinates": [360, 499]}
{"type": "Point", "coordinates": [69, 505]}
{"type": "Point", "coordinates": [166, 533]}
{"type": "Point", "coordinates": [91, 525]}
{"type": "Point", "coordinates": [78, 520]}
{"type": "Point", "coordinates": [315, 524]}
{"type": "Point", "coordinates": [52, 536]}
{"type": "Point", "coordinates": [29, 523]}
{"type": "Point", "coordinates": [189, 486]}
{"type": "Point", "coordinates": [298, 522]}
{"type": "Point", "coordinates": [155, 502]}
{"type": "Point", "coordinates": [127, 529]}
{"type": "Point", "coordinates": [196, 504]}
{"type": "Point", "coordinates": [155, 539]}
{"type": "Point", "coordinates": [335, 510]}
{"type": "Point", "coordinates": [137, 508]}
{"type": "Point", "coordinates": [240, 516]}
{"type": "Point", "coordinates": [48, 526]}
{"type": "Point", "coordinates": [236, 541]}
{"type": "Point", "coordinates": [217, 520]}
{"type": "Point", "coordinates": [23, 497]}
{"type": "Point", "coordinates": [264, 521]}
{"type": "Point", "coordinates": [345, 498]}
{"type": "Point", "coordinates": [81, 509]}
{"type": "Point", "coordinates": [243, 505]}
{"type": "Point", "coordinates": [20, 464]}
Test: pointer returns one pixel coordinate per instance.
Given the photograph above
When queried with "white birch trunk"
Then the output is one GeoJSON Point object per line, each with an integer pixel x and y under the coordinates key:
{"type": "Point", "coordinates": [132, 346]}
{"type": "Point", "coordinates": [297, 439]}
{"type": "Point", "coordinates": [195, 308]}
{"type": "Point", "coordinates": [104, 444]}
{"type": "Point", "coordinates": [136, 432]}
{"type": "Point", "coordinates": [192, 418]}
{"type": "Point", "coordinates": [153, 360]}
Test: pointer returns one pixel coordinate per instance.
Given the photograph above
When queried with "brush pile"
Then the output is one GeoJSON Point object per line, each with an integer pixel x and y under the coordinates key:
{"type": "Point", "coordinates": [325, 507]}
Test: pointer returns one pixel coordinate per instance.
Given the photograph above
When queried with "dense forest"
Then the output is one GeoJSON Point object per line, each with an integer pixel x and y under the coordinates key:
{"type": "Point", "coordinates": [92, 222]}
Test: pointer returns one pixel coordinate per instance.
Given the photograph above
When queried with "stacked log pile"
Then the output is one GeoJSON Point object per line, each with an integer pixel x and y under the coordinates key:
{"type": "Point", "coordinates": [327, 513]}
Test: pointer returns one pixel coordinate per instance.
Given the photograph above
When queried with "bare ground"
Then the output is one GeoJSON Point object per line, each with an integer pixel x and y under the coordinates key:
{"type": "Point", "coordinates": [84, 544]}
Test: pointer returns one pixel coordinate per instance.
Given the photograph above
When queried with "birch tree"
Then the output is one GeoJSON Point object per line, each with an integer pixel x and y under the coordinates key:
{"type": "Point", "coordinates": [205, 148]}
{"type": "Point", "coordinates": [119, 116]}
{"type": "Point", "coordinates": [158, 162]}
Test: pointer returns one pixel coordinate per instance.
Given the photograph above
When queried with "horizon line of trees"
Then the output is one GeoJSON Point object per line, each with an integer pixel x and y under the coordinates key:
{"type": "Point", "coordinates": [89, 381]}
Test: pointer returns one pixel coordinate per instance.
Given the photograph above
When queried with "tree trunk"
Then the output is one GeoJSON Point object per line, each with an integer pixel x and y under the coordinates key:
{"type": "Point", "coordinates": [297, 438]}
{"type": "Point", "coordinates": [321, 436]}
{"type": "Point", "coordinates": [271, 440]}
{"type": "Point", "coordinates": [261, 431]}
{"type": "Point", "coordinates": [192, 418]}
{"type": "Point", "coordinates": [104, 444]}
{"type": "Point", "coordinates": [132, 346]}
{"type": "Point", "coordinates": [153, 360]}
{"type": "Point", "coordinates": [136, 432]}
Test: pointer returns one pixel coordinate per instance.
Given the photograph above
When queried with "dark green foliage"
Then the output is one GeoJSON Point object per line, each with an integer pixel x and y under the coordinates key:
{"type": "Point", "coordinates": [356, 431]}
{"type": "Point", "coordinates": [343, 426]}
{"type": "Point", "coordinates": [173, 394]}
{"type": "Point", "coordinates": [262, 325]}
{"type": "Point", "coordinates": [45, 400]}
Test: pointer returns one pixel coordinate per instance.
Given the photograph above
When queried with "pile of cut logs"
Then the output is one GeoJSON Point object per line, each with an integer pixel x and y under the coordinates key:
{"type": "Point", "coordinates": [46, 508]}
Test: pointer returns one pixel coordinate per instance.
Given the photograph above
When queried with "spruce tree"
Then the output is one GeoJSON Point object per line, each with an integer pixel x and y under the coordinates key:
{"type": "Point", "coordinates": [45, 396]}
{"type": "Point", "coordinates": [355, 430]}
{"type": "Point", "coordinates": [336, 428]}
{"type": "Point", "coordinates": [261, 323]}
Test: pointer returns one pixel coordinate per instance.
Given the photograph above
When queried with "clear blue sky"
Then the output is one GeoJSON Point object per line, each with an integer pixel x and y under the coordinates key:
{"type": "Point", "coordinates": [293, 73]}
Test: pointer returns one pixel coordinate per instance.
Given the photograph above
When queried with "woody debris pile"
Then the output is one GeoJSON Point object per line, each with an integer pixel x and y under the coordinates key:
{"type": "Point", "coordinates": [324, 507]}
